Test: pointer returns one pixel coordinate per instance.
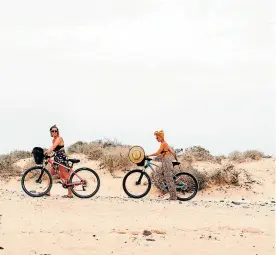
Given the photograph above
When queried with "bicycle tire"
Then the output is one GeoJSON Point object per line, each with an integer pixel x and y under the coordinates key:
{"type": "Point", "coordinates": [72, 187]}
{"type": "Point", "coordinates": [195, 183]}
{"type": "Point", "coordinates": [143, 174]}
{"type": "Point", "coordinates": [36, 194]}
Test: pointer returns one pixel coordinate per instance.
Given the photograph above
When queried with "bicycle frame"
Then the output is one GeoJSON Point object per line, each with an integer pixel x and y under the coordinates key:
{"type": "Point", "coordinates": [64, 181]}
{"type": "Point", "coordinates": [56, 168]}
{"type": "Point", "coordinates": [149, 164]}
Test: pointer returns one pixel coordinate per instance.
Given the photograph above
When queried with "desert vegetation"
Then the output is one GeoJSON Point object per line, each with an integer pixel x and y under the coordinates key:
{"type": "Point", "coordinates": [225, 172]}
{"type": "Point", "coordinates": [246, 155]}
{"type": "Point", "coordinates": [8, 167]}
{"type": "Point", "coordinates": [113, 156]}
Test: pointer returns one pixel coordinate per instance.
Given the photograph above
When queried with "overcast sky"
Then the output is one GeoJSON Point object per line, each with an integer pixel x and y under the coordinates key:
{"type": "Point", "coordinates": [201, 70]}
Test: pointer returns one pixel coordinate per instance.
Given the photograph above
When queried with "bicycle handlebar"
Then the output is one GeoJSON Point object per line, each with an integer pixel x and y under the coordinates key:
{"type": "Point", "coordinates": [47, 156]}
{"type": "Point", "coordinates": [176, 154]}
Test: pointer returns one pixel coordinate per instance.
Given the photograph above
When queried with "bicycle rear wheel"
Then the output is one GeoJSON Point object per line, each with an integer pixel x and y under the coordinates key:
{"type": "Point", "coordinates": [36, 181]}
{"type": "Point", "coordinates": [84, 182]}
{"type": "Point", "coordinates": [186, 186]}
{"type": "Point", "coordinates": [136, 183]}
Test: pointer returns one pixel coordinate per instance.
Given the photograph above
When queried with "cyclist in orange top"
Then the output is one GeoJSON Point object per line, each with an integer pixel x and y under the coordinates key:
{"type": "Point", "coordinates": [60, 156]}
{"type": "Point", "coordinates": [166, 152]}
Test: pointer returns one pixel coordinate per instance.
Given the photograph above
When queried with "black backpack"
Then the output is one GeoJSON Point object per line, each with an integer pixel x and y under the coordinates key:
{"type": "Point", "coordinates": [38, 155]}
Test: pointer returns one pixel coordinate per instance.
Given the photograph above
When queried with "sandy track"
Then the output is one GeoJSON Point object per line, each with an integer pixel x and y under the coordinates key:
{"type": "Point", "coordinates": [115, 225]}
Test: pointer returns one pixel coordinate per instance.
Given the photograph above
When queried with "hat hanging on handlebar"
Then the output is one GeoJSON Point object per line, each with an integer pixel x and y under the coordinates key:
{"type": "Point", "coordinates": [136, 154]}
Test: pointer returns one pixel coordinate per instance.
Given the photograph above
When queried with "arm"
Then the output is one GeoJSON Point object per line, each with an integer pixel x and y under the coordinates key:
{"type": "Point", "coordinates": [158, 152]}
{"type": "Point", "coordinates": [56, 143]}
{"type": "Point", "coordinates": [173, 153]}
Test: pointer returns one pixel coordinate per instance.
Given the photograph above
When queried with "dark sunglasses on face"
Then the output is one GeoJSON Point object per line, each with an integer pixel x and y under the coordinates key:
{"type": "Point", "coordinates": [54, 131]}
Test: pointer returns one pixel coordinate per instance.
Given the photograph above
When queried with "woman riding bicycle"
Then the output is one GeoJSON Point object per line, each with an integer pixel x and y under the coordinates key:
{"type": "Point", "coordinates": [167, 168]}
{"type": "Point", "coordinates": [60, 156]}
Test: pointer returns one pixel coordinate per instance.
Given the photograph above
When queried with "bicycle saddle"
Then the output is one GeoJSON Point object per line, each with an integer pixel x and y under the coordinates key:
{"type": "Point", "coordinates": [73, 160]}
{"type": "Point", "coordinates": [176, 163]}
{"type": "Point", "coordinates": [148, 159]}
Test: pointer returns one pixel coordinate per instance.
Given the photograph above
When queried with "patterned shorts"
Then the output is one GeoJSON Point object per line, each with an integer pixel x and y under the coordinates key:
{"type": "Point", "coordinates": [60, 157]}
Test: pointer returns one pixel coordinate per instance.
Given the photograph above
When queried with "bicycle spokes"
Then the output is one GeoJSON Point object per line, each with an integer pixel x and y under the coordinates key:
{"type": "Point", "coordinates": [36, 181]}
{"type": "Point", "coordinates": [83, 182]}
{"type": "Point", "coordinates": [186, 186]}
{"type": "Point", "coordinates": [136, 183]}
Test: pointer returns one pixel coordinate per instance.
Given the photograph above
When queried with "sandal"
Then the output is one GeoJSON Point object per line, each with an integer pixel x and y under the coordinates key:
{"type": "Point", "coordinates": [171, 199]}
{"type": "Point", "coordinates": [162, 195]}
{"type": "Point", "coordinates": [66, 196]}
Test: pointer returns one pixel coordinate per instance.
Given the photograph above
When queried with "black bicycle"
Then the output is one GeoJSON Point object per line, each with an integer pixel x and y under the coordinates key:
{"type": "Point", "coordinates": [137, 183]}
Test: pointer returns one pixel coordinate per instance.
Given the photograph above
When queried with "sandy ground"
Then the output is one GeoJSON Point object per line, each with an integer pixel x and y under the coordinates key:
{"type": "Point", "coordinates": [217, 221]}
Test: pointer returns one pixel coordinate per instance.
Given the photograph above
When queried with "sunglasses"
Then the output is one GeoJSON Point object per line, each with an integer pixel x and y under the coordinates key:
{"type": "Point", "coordinates": [54, 131]}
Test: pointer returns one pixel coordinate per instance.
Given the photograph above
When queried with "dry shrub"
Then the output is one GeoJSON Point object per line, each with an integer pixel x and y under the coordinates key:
{"type": "Point", "coordinates": [185, 166]}
{"type": "Point", "coordinates": [111, 154]}
{"type": "Point", "coordinates": [201, 177]}
{"type": "Point", "coordinates": [20, 154]}
{"type": "Point", "coordinates": [237, 156]}
{"type": "Point", "coordinates": [114, 162]}
{"type": "Point", "coordinates": [7, 163]}
{"type": "Point", "coordinates": [253, 154]}
{"type": "Point", "coordinates": [219, 159]}
{"type": "Point", "coordinates": [7, 169]}
{"type": "Point", "coordinates": [243, 156]}
{"type": "Point", "coordinates": [228, 174]}
{"type": "Point", "coordinates": [95, 149]}
{"type": "Point", "coordinates": [106, 143]}
{"type": "Point", "coordinates": [82, 147]}
{"type": "Point", "coordinates": [77, 147]}
{"type": "Point", "coordinates": [95, 154]}
{"type": "Point", "coordinates": [92, 150]}
{"type": "Point", "coordinates": [197, 153]}
{"type": "Point", "coordinates": [225, 175]}
{"type": "Point", "coordinates": [187, 158]}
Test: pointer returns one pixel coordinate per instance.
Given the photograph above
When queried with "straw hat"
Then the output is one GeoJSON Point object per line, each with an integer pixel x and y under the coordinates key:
{"type": "Point", "coordinates": [136, 154]}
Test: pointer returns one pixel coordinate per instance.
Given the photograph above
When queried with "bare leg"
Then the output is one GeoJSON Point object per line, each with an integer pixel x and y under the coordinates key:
{"type": "Point", "coordinates": [52, 172]}
{"type": "Point", "coordinates": [65, 175]}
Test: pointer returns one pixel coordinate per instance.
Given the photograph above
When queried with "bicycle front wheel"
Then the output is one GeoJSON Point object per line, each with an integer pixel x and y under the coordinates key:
{"type": "Point", "coordinates": [84, 182]}
{"type": "Point", "coordinates": [136, 183]}
{"type": "Point", "coordinates": [36, 181]}
{"type": "Point", "coordinates": [186, 186]}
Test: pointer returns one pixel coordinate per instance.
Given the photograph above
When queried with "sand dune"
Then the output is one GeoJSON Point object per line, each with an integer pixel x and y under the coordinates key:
{"type": "Point", "coordinates": [219, 220]}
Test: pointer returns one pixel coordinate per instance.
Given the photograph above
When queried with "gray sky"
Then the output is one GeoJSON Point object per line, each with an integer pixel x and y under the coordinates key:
{"type": "Point", "coordinates": [200, 70]}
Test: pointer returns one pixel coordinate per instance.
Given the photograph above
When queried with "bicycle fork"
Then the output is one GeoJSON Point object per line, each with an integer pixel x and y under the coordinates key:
{"type": "Point", "coordinates": [141, 175]}
{"type": "Point", "coordinates": [39, 180]}
{"type": "Point", "coordinates": [140, 178]}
